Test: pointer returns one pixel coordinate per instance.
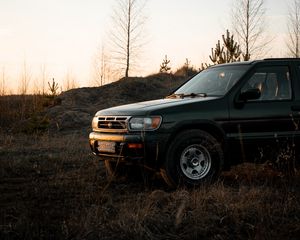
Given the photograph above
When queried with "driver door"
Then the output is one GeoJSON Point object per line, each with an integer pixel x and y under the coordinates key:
{"type": "Point", "coordinates": [268, 119]}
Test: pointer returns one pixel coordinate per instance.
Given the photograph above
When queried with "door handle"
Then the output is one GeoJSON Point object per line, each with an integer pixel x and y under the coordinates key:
{"type": "Point", "coordinates": [296, 108]}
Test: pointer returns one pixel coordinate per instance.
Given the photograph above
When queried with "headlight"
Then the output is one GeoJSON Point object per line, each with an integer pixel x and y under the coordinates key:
{"type": "Point", "coordinates": [95, 123]}
{"type": "Point", "coordinates": [144, 123]}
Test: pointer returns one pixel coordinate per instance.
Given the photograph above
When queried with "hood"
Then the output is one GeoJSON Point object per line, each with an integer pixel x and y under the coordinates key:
{"type": "Point", "coordinates": [146, 108]}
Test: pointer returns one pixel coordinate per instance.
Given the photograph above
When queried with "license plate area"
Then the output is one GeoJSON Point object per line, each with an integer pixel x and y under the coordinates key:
{"type": "Point", "coordinates": [105, 146]}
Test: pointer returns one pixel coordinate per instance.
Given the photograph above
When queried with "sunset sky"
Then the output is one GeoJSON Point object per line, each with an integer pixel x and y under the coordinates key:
{"type": "Point", "coordinates": [64, 35]}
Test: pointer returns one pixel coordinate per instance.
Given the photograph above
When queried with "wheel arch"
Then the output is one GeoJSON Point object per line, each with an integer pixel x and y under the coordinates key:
{"type": "Point", "coordinates": [207, 126]}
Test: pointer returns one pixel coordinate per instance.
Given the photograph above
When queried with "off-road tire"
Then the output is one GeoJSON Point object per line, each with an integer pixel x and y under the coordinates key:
{"type": "Point", "coordinates": [193, 158]}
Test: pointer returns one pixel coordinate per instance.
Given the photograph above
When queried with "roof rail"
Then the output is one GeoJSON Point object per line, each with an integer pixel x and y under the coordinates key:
{"type": "Point", "coordinates": [289, 59]}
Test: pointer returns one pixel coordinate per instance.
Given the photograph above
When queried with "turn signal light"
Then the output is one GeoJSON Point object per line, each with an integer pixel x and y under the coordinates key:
{"type": "Point", "coordinates": [135, 145]}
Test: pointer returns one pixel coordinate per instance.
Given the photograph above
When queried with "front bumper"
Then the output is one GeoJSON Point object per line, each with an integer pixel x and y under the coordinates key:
{"type": "Point", "coordinates": [146, 148]}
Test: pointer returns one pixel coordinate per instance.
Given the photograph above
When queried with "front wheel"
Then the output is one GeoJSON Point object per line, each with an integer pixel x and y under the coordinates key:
{"type": "Point", "coordinates": [193, 158]}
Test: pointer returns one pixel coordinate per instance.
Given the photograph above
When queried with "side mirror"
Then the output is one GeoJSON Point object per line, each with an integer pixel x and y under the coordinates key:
{"type": "Point", "coordinates": [250, 94]}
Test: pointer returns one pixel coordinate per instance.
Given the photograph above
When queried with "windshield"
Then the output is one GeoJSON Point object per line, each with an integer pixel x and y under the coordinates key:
{"type": "Point", "coordinates": [216, 81]}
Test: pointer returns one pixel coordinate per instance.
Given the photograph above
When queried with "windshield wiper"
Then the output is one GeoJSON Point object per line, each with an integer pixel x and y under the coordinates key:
{"type": "Point", "coordinates": [194, 95]}
{"type": "Point", "coordinates": [174, 95]}
{"type": "Point", "coordinates": [182, 95]}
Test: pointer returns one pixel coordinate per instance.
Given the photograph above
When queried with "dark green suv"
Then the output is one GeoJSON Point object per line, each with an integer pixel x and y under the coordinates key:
{"type": "Point", "coordinates": [213, 121]}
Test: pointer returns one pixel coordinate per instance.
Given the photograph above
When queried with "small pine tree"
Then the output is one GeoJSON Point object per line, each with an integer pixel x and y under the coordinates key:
{"type": "Point", "coordinates": [187, 67]}
{"type": "Point", "coordinates": [233, 52]}
{"type": "Point", "coordinates": [228, 52]}
{"type": "Point", "coordinates": [164, 67]}
{"type": "Point", "coordinates": [203, 66]}
{"type": "Point", "coordinates": [217, 54]}
{"type": "Point", "coordinates": [186, 70]}
{"type": "Point", "coordinates": [53, 87]}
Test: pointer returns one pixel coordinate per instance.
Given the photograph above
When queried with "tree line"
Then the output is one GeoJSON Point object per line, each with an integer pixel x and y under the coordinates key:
{"type": "Point", "coordinates": [247, 38]}
{"type": "Point", "coordinates": [40, 84]}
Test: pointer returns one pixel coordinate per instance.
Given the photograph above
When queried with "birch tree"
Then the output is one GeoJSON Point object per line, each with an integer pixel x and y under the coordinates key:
{"type": "Point", "coordinates": [293, 26]}
{"type": "Point", "coordinates": [248, 20]}
{"type": "Point", "coordinates": [126, 36]}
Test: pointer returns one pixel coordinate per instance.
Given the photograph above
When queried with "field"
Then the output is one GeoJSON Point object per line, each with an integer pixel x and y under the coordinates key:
{"type": "Point", "coordinates": [53, 188]}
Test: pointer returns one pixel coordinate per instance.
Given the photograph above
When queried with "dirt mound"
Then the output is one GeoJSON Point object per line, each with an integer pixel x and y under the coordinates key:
{"type": "Point", "coordinates": [75, 108]}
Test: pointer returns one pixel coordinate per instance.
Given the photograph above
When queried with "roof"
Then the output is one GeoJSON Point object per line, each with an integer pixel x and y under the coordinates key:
{"type": "Point", "coordinates": [255, 61]}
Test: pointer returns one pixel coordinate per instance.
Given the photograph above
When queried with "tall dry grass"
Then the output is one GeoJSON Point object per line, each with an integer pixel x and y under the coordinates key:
{"type": "Point", "coordinates": [53, 188]}
{"type": "Point", "coordinates": [24, 112]}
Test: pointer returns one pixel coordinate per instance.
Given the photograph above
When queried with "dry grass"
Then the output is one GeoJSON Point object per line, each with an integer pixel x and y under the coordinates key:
{"type": "Point", "coordinates": [24, 112]}
{"type": "Point", "coordinates": [52, 188]}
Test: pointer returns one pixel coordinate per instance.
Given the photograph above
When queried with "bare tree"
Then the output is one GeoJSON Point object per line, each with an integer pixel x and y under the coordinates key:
{"type": "Point", "coordinates": [293, 24]}
{"type": "Point", "coordinates": [102, 69]}
{"type": "Point", "coordinates": [126, 37]}
{"type": "Point", "coordinates": [25, 79]}
{"type": "Point", "coordinates": [44, 77]}
{"type": "Point", "coordinates": [2, 83]}
{"type": "Point", "coordinates": [36, 90]}
{"type": "Point", "coordinates": [69, 81]}
{"type": "Point", "coordinates": [248, 20]}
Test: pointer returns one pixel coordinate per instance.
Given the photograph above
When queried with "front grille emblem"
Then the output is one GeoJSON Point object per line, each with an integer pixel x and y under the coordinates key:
{"type": "Point", "coordinates": [112, 124]}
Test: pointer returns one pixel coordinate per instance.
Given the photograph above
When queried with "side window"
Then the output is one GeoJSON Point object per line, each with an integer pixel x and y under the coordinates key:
{"type": "Point", "coordinates": [273, 82]}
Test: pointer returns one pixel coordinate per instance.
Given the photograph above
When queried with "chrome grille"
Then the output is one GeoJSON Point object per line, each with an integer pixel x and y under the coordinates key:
{"type": "Point", "coordinates": [111, 124]}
